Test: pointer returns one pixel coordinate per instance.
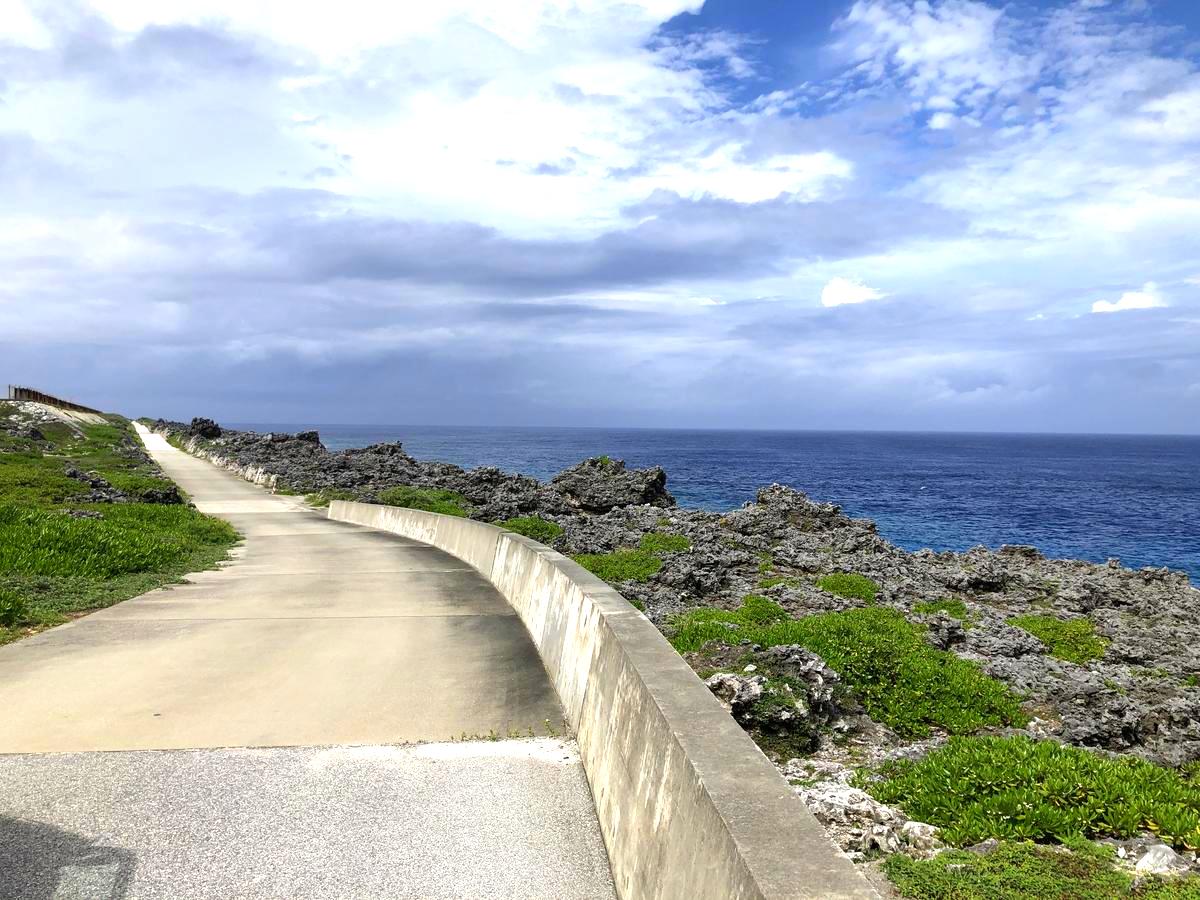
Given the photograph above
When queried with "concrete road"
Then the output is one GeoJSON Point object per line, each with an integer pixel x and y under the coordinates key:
{"type": "Point", "coordinates": [317, 634]}
{"type": "Point", "coordinates": [509, 819]}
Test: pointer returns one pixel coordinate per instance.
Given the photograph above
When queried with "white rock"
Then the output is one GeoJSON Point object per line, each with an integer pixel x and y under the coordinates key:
{"type": "Point", "coordinates": [920, 836]}
{"type": "Point", "coordinates": [1160, 860]}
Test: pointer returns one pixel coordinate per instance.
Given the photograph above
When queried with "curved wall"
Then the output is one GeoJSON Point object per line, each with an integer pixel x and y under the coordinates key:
{"type": "Point", "coordinates": [689, 807]}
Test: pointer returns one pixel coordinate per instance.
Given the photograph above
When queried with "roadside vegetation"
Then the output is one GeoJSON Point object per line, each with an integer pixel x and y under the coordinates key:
{"type": "Point", "coordinates": [533, 527]}
{"type": "Point", "coordinates": [1079, 870]}
{"type": "Point", "coordinates": [322, 499]}
{"type": "Point", "coordinates": [62, 553]}
{"type": "Point", "coordinates": [1016, 788]}
{"type": "Point", "coordinates": [448, 503]}
{"type": "Point", "coordinates": [636, 564]}
{"type": "Point", "coordinates": [885, 661]}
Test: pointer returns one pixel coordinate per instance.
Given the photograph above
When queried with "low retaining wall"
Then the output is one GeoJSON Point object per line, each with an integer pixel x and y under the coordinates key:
{"type": "Point", "coordinates": [689, 807]}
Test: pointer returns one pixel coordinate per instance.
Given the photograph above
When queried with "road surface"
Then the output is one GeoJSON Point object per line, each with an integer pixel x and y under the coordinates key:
{"type": "Point", "coordinates": [249, 723]}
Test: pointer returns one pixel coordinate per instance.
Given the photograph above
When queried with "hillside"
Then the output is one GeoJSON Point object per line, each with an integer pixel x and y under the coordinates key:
{"type": "Point", "coordinates": [87, 519]}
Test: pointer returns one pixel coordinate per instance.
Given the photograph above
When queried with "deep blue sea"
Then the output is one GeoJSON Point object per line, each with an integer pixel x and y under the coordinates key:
{"type": "Point", "coordinates": [1075, 496]}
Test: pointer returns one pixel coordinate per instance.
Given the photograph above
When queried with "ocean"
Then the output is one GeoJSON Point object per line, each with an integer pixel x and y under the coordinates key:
{"type": "Point", "coordinates": [1074, 496]}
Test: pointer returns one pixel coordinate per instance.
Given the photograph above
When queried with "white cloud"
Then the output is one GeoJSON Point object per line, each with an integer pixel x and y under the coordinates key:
{"type": "Point", "coordinates": [1172, 118]}
{"type": "Point", "coordinates": [450, 112]}
{"type": "Point", "coordinates": [942, 120]}
{"type": "Point", "coordinates": [841, 291]}
{"type": "Point", "coordinates": [20, 26]}
{"type": "Point", "coordinates": [948, 53]}
{"type": "Point", "coordinates": [1147, 298]}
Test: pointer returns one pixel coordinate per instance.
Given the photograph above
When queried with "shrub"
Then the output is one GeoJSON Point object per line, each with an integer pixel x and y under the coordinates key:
{"type": "Point", "coordinates": [949, 605]}
{"type": "Point", "coordinates": [13, 609]}
{"type": "Point", "coordinates": [634, 565]}
{"type": "Point", "coordinates": [1016, 788]}
{"type": "Point", "coordinates": [533, 527]}
{"type": "Point", "coordinates": [901, 680]}
{"type": "Point", "coordinates": [448, 503]}
{"type": "Point", "coordinates": [657, 542]}
{"type": "Point", "coordinates": [1071, 639]}
{"type": "Point", "coordinates": [1012, 871]}
{"type": "Point", "coordinates": [621, 565]}
{"type": "Point", "coordinates": [849, 585]}
{"type": "Point", "coordinates": [323, 498]}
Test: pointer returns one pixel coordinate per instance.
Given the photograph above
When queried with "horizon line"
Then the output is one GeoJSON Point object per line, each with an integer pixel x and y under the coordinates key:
{"type": "Point", "coordinates": [727, 429]}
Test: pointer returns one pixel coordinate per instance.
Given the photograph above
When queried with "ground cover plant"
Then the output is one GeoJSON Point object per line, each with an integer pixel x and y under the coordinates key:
{"type": "Point", "coordinates": [621, 565]}
{"type": "Point", "coordinates": [448, 503]}
{"type": "Point", "coordinates": [1021, 870]}
{"type": "Point", "coordinates": [883, 659]}
{"type": "Point", "coordinates": [849, 585]}
{"type": "Point", "coordinates": [1016, 788]}
{"type": "Point", "coordinates": [657, 542]}
{"type": "Point", "coordinates": [533, 527]}
{"type": "Point", "coordinates": [949, 605]}
{"type": "Point", "coordinates": [60, 554]}
{"type": "Point", "coordinates": [322, 499]}
{"type": "Point", "coordinates": [1074, 640]}
{"type": "Point", "coordinates": [634, 564]}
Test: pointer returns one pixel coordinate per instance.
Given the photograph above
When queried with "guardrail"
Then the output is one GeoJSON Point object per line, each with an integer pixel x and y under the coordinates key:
{"type": "Point", "coordinates": [16, 392]}
{"type": "Point", "coordinates": [689, 807]}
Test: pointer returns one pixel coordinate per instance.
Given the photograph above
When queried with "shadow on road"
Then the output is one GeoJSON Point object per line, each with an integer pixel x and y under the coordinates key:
{"type": "Point", "coordinates": [40, 862]}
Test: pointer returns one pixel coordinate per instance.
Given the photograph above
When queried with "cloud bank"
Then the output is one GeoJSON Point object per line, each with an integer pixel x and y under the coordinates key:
{"type": "Point", "coordinates": [597, 213]}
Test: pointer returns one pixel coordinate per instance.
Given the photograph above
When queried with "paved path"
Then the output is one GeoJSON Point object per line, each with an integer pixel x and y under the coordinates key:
{"type": "Point", "coordinates": [319, 635]}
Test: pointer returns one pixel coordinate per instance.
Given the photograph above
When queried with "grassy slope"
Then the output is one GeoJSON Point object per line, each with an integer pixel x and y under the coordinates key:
{"type": "Point", "coordinates": [52, 565]}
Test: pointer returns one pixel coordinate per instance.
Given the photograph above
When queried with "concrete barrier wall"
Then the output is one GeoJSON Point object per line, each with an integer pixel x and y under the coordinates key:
{"type": "Point", "coordinates": [689, 807]}
{"type": "Point", "coordinates": [17, 392]}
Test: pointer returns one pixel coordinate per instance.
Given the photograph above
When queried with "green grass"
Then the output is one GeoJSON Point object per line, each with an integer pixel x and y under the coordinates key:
{"type": "Point", "coordinates": [322, 499]}
{"type": "Point", "coordinates": [1015, 788]}
{"type": "Point", "coordinates": [129, 538]}
{"type": "Point", "coordinates": [448, 503]}
{"type": "Point", "coordinates": [54, 565]}
{"type": "Point", "coordinates": [533, 527]}
{"type": "Point", "coordinates": [621, 565]}
{"type": "Point", "coordinates": [14, 608]}
{"type": "Point", "coordinates": [949, 605]}
{"type": "Point", "coordinates": [657, 542]}
{"type": "Point", "coordinates": [849, 585]}
{"type": "Point", "coordinates": [31, 479]}
{"type": "Point", "coordinates": [1021, 870]}
{"type": "Point", "coordinates": [883, 659]}
{"type": "Point", "coordinates": [634, 564]}
{"type": "Point", "coordinates": [1073, 640]}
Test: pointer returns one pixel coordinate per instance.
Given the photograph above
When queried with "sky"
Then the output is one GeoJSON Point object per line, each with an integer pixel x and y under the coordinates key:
{"type": "Point", "coordinates": [826, 214]}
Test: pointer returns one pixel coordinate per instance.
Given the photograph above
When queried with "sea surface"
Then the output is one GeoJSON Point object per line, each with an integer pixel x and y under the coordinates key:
{"type": "Point", "coordinates": [1073, 496]}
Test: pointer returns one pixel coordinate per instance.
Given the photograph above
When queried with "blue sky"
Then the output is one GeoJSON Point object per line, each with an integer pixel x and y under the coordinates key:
{"type": "Point", "coordinates": [889, 214]}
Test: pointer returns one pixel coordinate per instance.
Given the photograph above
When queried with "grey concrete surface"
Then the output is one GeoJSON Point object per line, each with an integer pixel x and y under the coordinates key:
{"type": "Point", "coordinates": [689, 807]}
{"type": "Point", "coordinates": [215, 701]}
{"type": "Point", "coordinates": [318, 632]}
{"type": "Point", "coordinates": [510, 819]}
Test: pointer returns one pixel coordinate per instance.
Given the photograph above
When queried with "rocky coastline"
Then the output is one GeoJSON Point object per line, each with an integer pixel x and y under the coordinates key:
{"type": "Point", "coordinates": [1133, 689]}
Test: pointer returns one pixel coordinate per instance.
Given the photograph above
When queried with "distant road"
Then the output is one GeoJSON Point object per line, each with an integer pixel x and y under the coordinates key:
{"type": "Point", "coordinates": [324, 642]}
